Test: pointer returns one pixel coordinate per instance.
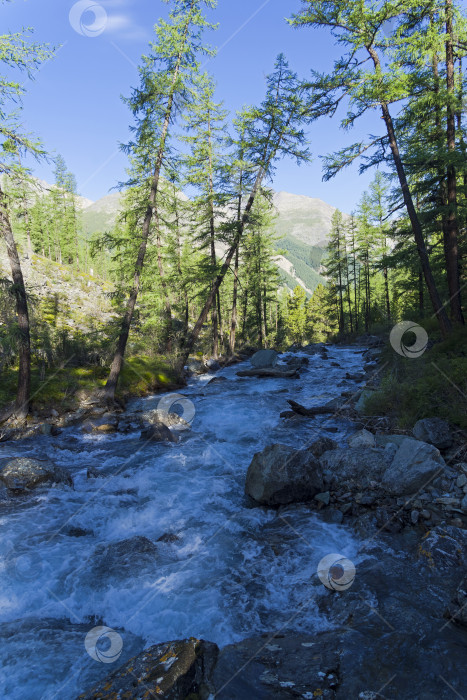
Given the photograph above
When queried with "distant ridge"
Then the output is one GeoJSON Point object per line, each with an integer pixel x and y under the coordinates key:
{"type": "Point", "coordinates": [303, 226]}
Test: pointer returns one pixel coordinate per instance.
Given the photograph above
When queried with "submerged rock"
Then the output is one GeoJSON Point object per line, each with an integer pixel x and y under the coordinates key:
{"type": "Point", "coordinates": [435, 431]}
{"type": "Point", "coordinates": [279, 475]}
{"type": "Point", "coordinates": [173, 670]}
{"type": "Point", "coordinates": [158, 432]}
{"type": "Point", "coordinates": [23, 474]}
{"type": "Point", "coordinates": [120, 559]}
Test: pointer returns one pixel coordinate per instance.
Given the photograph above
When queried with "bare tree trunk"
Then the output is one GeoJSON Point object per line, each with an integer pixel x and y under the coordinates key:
{"type": "Point", "coordinates": [440, 311]}
{"type": "Point", "coordinates": [233, 321]}
{"type": "Point", "coordinates": [164, 285]}
{"type": "Point", "coordinates": [451, 251]}
{"type": "Point", "coordinates": [24, 344]}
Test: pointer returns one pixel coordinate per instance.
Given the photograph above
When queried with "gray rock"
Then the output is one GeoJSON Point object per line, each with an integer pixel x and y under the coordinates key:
{"type": "Point", "coordinates": [158, 432]}
{"type": "Point", "coordinates": [279, 475]}
{"type": "Point", "coordinates": [24, 474]}
{"type": "Point", "coordinates": [464, 504]}
{"type": "Point", "coordinates": [323, 497]}
{"type": "Point", "coordinates": [322, 445]}
{"type": "Point", "coordinates": [212, 364]}
{"type": "Point", "coordinates": [382, 440]}
{"type": "Point", "coordinates": [390, 452]}
{"type": "Point", "coordinates": [435, 431]}
{"type": "Point", "coordinates": [217, 380]}
{"type": "Point", "coordinates": [414, 516]}
{"type": "Point", "coordinates": [457, 612]}
{"type": "Point", "coordinates": [264, 359]}
{"type": "Point", "coordinates": [354, 468]}
{"type": "Point", "coordinates": [175, 670]}
{"type": "Point", "coordinates": [363, 438]}
{"type": "Point", "coordinates": [444, 547]}
{"type": "Point", "coordinates": [414, 465]}
{"type": "Point", "coordinates": [461, 481]}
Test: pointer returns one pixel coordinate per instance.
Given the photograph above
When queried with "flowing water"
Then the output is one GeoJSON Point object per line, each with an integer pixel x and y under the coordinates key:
{"type": "Point", "coordinates": [233, 571]}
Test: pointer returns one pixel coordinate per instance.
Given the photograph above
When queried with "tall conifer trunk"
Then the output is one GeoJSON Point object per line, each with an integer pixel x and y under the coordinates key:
{"type": "Point", "coordinates": [24, 343]}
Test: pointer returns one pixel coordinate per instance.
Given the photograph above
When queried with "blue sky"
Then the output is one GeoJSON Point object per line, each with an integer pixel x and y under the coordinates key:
{"type": "Point", "coordinates": [74, 104]}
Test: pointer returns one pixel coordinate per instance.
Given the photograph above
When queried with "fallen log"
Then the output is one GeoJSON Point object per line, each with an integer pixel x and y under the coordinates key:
{"type": "Point", "coordinates": [268, 372]}
{"type": "Point", "coordinates": [313, 411]}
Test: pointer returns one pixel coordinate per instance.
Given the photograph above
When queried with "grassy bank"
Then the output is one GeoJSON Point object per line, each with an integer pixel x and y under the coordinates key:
{"type": "Point", "coordinates": [65, 388]}
{"type": "Point", "coordinates": [434, 384]}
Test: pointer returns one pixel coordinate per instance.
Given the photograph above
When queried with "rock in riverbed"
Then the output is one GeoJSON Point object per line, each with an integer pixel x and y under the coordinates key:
{"type": "Point", "coordinates": [279, 475]}
{"type": "Point", "coordinates": [264, 359]}
{"type": "Point", "coordinates": [434, 431]}
{"type": "Point", "coordinates": [25, 474]}
{"type": "Point", "coordinates": [414, 466]}
{"type": "Point", "coordinates": [172, 670]}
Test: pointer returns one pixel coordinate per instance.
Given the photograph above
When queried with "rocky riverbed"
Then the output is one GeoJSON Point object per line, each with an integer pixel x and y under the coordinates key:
{"type": "Point", "coordinates": [130, 537]}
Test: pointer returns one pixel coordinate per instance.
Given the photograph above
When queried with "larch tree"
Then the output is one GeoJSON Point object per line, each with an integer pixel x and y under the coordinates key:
{"type": "Point", "coordinates": [165, 77]}
{"type": "Point", "coordinates": [17, 53]}
{"type": "Point", "coordinates": [272, 131]}
{"type": "Point", "coordinates": [207, 137]}
{"type": "Point", "coordinates": [367, 76]}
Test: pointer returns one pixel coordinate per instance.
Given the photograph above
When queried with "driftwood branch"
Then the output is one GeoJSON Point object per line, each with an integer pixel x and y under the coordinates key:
{"type": "Point", "coordinates": [313, 411]}
{"type": "Point", "coordinates": [266, 372]}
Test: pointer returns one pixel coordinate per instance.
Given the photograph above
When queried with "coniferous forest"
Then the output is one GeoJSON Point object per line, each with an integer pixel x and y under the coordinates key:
{"type": "Point", "coordinates": [189, 266]}
{"type": "Point", "coordinates": [326, 350]}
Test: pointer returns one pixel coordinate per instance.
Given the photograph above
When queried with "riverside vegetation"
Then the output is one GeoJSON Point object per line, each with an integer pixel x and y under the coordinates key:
{"type": "Point", "coordinates": [199, 275]}
{"type": "Point", "coordinates": [368, 459]}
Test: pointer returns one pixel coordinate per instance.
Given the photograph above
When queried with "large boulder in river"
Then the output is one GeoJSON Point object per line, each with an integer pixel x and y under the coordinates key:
{"type": "Point", "coordinates": [355, 468]}
{"type": "Point", "coordinates": [414, 466]}
{"type": "Point", "coordinates": [264, 358]}
{"type": "Point", "coordinates": [24, 474]}
{"type": "Point", "coordinates": [279, 475]}
{"type": "Point", "coordinates": [435, 431]}
{"type": "Point", "coordinates": [172, 670]}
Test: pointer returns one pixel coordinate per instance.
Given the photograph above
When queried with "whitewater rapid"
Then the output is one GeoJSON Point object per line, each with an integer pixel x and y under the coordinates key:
{"type": "Point", "coordinates": [233, 571]}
